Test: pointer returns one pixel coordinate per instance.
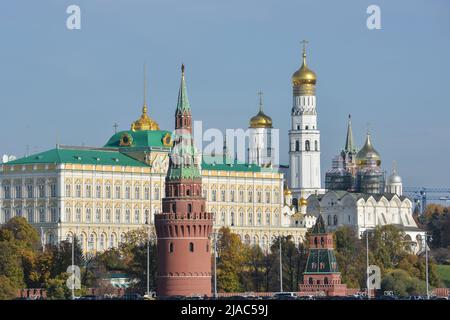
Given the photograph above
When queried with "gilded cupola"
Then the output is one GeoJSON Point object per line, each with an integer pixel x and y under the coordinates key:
{"type": "Point", "coordinates": [144, 122]}
{"type": "Point", "coordinates": [304, 75]}
{"type": "Point", "coordinates": [368, 153]}
{"type": "Point", "coordinates": [260, 120]}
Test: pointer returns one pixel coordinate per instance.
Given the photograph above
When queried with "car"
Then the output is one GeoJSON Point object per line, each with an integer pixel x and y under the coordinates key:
{"type": "Point", "coordinates": [416, 298]}
{"type": "Point", "coordinates": [285, 296]}
{"type": "Point", "coordinates": [131, 296]}
{"type": "Point", "coordinates": [88, 297]}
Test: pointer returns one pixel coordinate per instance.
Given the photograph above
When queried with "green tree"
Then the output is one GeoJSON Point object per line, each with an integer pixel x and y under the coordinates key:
{"type": "Point", "coordinates": [402, 284]}
{"type": "Point", "coordinates": [7, 290]}
{"type": "Point", "coordinates": [11, 264]}
{"type": "Point", "coordinates": [351, 257]}
{"type": "Point", "coordinates": [20, 231]}
{"type": "Point", "coordinates": [231, 260]}
{"type": "Point", "coordinates": [62, 256]}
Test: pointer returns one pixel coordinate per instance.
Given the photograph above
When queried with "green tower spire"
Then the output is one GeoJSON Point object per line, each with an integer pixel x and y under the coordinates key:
{"type": "Point", "coordinates": [183, 101]}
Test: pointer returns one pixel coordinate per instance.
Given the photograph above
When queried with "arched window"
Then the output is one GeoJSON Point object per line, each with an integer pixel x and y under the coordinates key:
{"type": "Point", "coordinates": [171, 247]}
{"type": "Point", "coordinates": [311, 281]}
{"type": "Point", "coordinates": [297, 145]}
{"type": "Point", "coordinates": [232, 219]}
{"type": "Point", "coordinates": [316, 145]}
{"type": "Point", "coordinates": [307, 146]}
{"type": "Point", "coordinates": [335, 220]}
{"type": "Point", "coordinates": [191, 247]}
{"type": "Point", "coordinates": [329, 220]}
{"type": "Point", "coordinates": [189, 207]}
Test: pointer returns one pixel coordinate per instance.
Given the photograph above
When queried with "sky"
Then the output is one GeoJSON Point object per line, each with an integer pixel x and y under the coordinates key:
{"type": "Point", "coordinates": [70, 86]}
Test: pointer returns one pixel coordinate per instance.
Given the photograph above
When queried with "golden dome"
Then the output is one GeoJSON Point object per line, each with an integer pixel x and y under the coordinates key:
{"type": "Point", "coordinates": [367, 153]}
{"type": "Point", "coordinates": [304, 75]}
{"type": "Point", "coordinates": [287, 191]}
{"type": "Point", "coordinates": [144, 122]}
{"type": "Point", "coordinates": [261, 120]}
{"type": "Point", "coordinates": [303, 202]}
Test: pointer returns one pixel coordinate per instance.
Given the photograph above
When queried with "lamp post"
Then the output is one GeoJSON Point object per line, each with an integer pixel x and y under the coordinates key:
{"type": "Point", "coordinates": [148, 256]}
{"type": "Point", "coordinates": [367, 264]}
{"type": "Point", "coordinates": [215, 234]}
{"type": "Point", "coordinates": [281, 268]}
{"type": "Point", "coordinates": [426, 264]}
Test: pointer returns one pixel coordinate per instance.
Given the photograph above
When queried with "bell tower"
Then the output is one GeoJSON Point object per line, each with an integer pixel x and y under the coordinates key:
{"type": "Point", "coordinates": [184, 227]}
{"type": "Point", "coordinates": [304, 136]}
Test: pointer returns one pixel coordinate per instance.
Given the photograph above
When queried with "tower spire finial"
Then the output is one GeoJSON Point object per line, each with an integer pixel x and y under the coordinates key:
{"type": "Point", "coordinates": [349, 147]}
{"type": "Point", "coordinates": [304, 42]}
{"type": "Point", "coordinates": [145, 84]}
{"type": "Point", "coordinates": [182, 69]}
{"type": "Point", "coordinates": [260, 94]}
{"type": "Point", "coordinates": [394, 167]}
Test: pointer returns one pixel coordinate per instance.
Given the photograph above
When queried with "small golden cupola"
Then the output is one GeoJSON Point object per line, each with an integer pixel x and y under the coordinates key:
{"type": "Point", "coordinates": [368, 153]}
{"type": "Point", "coordinates": [304, 75]}
{"type": "Point", "coordinates": [144, 122]}
{"type": "Point", "coordinates": [260, 120]}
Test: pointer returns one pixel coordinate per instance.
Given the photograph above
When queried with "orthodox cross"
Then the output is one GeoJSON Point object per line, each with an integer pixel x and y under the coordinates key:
{"type": "Point", "coordinates": [115, 127]}
{"type": "Point", "coordinates": [260, 94]}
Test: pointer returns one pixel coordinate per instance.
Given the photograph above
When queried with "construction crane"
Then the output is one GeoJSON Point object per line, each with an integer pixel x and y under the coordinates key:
{"type": "Point", "coordinates": [421, 195]}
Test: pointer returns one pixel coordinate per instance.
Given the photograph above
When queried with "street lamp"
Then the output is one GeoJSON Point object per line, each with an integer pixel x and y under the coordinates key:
{"type": "Point", "coordinates": [148, 256]}
{"type": "Point", "coordinates": [215, 234]}
{"type": "Point", "coordinates": [281, 267]}
{"type": "Point", "coordinates": [426, 263]}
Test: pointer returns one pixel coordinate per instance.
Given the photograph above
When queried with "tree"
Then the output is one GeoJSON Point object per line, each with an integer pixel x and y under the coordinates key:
{"type": "Point", "coordinates": [386, 244]}
{"type": "Point", "coordinates": [62, 256]}
{"type": "Point", "coordinates": [231, 260]}
{"type": "Point", "coordinates": [351, 257]}
{"type": "Point", "coordinates": [19, 230]}
{"type": "Point", "coordinates": [134, 254]}
{"type": "Point", "coordinates": [11, 264]}
{"type": "Point", "coordinates": [7, 290]}
{"type": "Point", "coordinates": [402, 284]}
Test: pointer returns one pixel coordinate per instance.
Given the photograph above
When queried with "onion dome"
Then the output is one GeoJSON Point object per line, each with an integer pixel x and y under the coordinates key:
{"type": "Point", "coordinates": [303, 201]}
{"type": "Point", "coordinates": [304, 75]}
{"type": "Point", "coordinates": [287, 191]}
{"type": "Point", "coordinates": [368, 154]}
{"type": "Point", "coordinates": [260, 120]}
{"type": "Point", "coordinates": [394, 177]}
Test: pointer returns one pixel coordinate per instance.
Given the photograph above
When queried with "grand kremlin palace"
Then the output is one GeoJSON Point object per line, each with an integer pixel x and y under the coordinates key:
{"type": "Point", "coordinates": [99, 194]}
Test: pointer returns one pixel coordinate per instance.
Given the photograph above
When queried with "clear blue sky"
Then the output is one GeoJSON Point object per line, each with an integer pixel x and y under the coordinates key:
{"type": "Point", "coordinates": [71, 86]}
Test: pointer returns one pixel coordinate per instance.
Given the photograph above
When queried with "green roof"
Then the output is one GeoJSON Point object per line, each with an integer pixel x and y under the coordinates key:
{"type": "Point", "coordinates": [183, 101]}
{"type": "Point", "coordinates": [139, 139]}
{"type": "Point", "coordinates": [321, 261]}
{"type": "Point", "coordinates": [228, 164]}
{"type": "Point", "coordinates": [81, 155]}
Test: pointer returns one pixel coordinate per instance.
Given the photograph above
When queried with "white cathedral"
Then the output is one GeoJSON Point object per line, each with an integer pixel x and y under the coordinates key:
{"type": "Point", "coordinates": [356, 192]}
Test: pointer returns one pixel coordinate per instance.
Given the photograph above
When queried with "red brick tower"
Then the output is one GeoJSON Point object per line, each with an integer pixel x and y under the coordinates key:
{"type": "Point", "coordinates": [184, 227]}
{"type": "Point", "coordinates": [321, 273]}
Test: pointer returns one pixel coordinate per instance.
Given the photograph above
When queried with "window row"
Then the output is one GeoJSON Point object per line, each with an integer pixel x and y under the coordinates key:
{"type": "Point", "coordinates": [39, 215]}
{"type": "Point", "coordinates": [107, 215]}
{"type": "Point", "coordinates": [110, 192]}
{"type": "Point", "coordinates": [246, 220]}
{"type": "Point", "coordinates": [307, 145]}
{"type": "Point", "coordinates": [241, 196]}
{"type": "Point", "coordinates": [29, 191]}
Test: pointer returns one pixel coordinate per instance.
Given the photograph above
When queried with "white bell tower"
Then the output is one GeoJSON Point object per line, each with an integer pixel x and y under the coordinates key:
{"type": "Point", "coordinates": [304, 136]}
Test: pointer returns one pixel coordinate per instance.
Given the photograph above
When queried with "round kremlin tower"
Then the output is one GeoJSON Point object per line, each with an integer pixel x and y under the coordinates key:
{"type": "Point", "coordinates": [184, 227]}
